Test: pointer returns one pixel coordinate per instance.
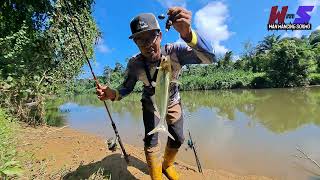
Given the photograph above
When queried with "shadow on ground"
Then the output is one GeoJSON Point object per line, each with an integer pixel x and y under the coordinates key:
{"type": "Point", "coordinates": [113, 164]}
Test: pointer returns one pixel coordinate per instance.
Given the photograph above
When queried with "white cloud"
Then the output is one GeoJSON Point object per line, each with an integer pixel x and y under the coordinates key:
{"type": "Point", "coordinates": [266, 10]}
{"type": "Point", "coordinates": [318, 28]}
{"type": "Point", "coordinates": [309, 2]}
{"type": "Point", "coordinates": [235, 58]}
{"type": "Point", "coordinates": [210, 21]}
{"type": "Point", "coordinates": [296, 34]}
{"type": "Point", "coordinates": [102, 47]}
{"type": "Point", "coordinates": [96, 64]}
{"type": "Point", "coordinates": [171, 3]}
{"type": "Point", "coordinates": [218, 48]}
{"type": "Point", "coordinates": [284, 35]}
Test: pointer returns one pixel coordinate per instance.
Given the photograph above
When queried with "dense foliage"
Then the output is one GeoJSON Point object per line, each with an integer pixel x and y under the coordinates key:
{"type": "Point", "coordinates": [9, 166]}
{"type": "Point", "coordinates": [39, 52]}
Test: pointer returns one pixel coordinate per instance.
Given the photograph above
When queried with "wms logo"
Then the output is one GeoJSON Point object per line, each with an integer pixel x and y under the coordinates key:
{"type": "Point", "coordinates": [299, 23]}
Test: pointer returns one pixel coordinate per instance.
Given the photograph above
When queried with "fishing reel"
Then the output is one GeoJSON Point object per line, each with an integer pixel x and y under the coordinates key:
{"type": "Point", "coordinates": [112, 144]}
{"type": "Point", "coordinates": [190, 144]}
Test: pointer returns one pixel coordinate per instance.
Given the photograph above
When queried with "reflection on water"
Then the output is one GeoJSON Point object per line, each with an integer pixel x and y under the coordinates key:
{"type": "Point", "coordinates": [54, 116]}
{"type": "Point", "coordinates": [244, 131]}
{"type": "Point", "coordinates": [279, 110]}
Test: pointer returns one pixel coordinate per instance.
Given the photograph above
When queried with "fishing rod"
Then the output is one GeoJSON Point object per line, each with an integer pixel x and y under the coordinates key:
{"type": "Point", "coordinates": [191, 145]}
{"type": "Point", "coordinates": [126, 156]}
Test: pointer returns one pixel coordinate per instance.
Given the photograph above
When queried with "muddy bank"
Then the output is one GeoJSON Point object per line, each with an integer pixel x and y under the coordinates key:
{"type": "Point", "coordinates": [64, 153]}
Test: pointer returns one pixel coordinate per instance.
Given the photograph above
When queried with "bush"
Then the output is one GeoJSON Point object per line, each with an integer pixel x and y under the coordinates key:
{"type": "Point", "coordinates": [218, 79]}
{"type": "Point", "coordinates": [290, 64]}
{"type": "Point", "coordinates": [8, 165]}
{"type": "Point", "coordinates": [261, 82]}
{"type": "Point", "coordinates": [40, 53]}
{"type": "Point", "coordinates": [314, 79]}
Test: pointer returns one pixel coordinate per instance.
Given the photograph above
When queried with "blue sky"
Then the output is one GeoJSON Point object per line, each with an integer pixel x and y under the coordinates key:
{"type": "Point", "coordinates": [226, 24]}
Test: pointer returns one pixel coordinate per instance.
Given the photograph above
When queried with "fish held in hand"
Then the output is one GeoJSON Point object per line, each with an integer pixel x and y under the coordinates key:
{"type": "Point", "coordinates": [161, 97]}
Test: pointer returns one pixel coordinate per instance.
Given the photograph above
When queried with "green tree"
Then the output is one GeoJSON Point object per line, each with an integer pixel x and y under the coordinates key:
{"type": "Point", "coordinates": [239, 64]}
{"type": "Point", "coordinates": [267, 43]}
{"type": "Point", "coordinates": [107, 71]}
{"type": "Point", "coordinates": [260, 62]}
{"type": "Point", "coordinates": [247, 57]}
{"type": "Point", "coordinates": [289, 63]}
{"type": "Point", "coordinates": [226, 61]}
{"type": "Point", "coordinates": [40, 52]}
{"type": "Point", "coordinates": [119, 68]}
{"type": "Point", "coordinates": [314, 38]}
{"type": "Point", "coordinates": [316, 51]}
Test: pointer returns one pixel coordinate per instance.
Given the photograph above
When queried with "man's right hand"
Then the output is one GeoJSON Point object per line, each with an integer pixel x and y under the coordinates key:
{"type": "Point", "coordinates": [104, 92]}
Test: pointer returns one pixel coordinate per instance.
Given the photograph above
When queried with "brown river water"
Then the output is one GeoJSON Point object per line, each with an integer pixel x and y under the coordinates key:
{"type": "Point", "coordinates": [242, 131]}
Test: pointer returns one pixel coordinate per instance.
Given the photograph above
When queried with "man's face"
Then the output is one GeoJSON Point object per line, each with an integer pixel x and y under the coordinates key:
{"type": "Point", "coordinates": [149, 44]}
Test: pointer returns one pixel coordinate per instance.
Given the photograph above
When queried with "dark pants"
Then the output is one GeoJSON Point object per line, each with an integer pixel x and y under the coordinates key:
{"type": "Point", "coordinates": [174, 121]}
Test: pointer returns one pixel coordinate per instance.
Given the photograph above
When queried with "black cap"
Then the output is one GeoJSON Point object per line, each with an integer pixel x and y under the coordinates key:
{"type": "Point", "coordinates": [143, 22]}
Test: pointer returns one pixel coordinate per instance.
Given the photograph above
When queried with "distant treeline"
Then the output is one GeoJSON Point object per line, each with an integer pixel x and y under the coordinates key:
{"type": "Point", "coordinates": [273, 62]}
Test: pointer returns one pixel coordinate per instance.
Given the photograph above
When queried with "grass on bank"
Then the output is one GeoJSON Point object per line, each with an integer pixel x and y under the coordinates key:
{"type": "Point", "coordinates": [9, 166]}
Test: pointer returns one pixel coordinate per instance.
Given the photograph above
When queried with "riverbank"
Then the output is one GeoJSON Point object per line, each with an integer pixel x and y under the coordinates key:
{"type": "Point", "coordinates": [54, 153]}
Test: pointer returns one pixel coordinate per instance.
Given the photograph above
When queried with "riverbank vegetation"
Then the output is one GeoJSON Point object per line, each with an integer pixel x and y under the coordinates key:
{"type": "Point", "coordinates": [9, 166]}
{"type": "Point", "coordinates": [39, 56]}
{"type": "Point", "coordinates": [40, 53]}
{"type": "Point", "coordinates": [274, 62]}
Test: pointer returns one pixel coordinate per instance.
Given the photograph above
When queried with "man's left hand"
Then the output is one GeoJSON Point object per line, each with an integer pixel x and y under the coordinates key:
{"type": "Point", "coordinates": [181, 21]}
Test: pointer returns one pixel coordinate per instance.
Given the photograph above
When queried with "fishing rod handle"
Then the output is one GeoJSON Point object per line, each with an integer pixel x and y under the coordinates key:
{"type": "Point", "coordinates": [126, 156]}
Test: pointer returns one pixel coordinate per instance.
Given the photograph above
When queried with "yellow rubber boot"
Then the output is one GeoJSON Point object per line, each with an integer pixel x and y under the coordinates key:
{"type": "Point", "coordinates": [153, 161]}
{"type": "Point", "coordinates": [168, 168]}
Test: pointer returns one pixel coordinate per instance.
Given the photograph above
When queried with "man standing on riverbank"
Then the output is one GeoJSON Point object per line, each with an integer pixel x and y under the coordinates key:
{"type": "Point", "coordinates": [147, 36]}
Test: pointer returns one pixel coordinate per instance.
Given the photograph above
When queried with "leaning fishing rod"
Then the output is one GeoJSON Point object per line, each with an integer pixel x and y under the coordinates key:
{"type": "Point", "coordinates": [191, 145]}
{"type": "Point", "coordinates": [126, 156]}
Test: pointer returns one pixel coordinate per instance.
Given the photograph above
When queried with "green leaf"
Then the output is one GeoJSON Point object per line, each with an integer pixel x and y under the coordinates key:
{"type": "Point", "coordinates": [11, 163]}
{"type": "Point", "coordinates": [28, 90]}
{"type": "Point", "coordinates": [36, 77]}
{"type": "Point", "coordinates": [9, 78]}
{"type": "Point", "coordinates": [12, 171]}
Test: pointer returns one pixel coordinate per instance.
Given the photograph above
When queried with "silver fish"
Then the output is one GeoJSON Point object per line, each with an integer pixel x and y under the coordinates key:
{"type": "Point", "coordinates": [161, 96]}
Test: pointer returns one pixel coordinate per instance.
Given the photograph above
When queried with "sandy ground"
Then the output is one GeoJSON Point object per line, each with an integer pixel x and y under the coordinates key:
{"type": "Point", "coordinates": [64, 153]}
